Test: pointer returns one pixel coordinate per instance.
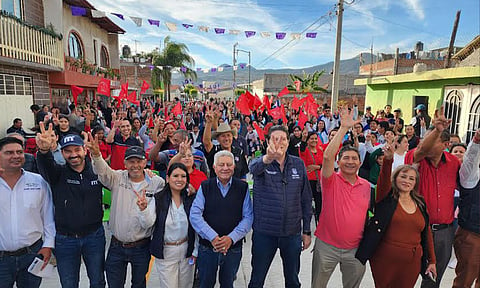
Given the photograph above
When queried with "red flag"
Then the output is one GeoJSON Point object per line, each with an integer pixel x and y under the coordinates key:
{"type": "Point", "coordinates": [259, 131]}
{"type": "Point", "coordinates": [266, 103]}
{"type": "Point", "coordinates": [296, 103]}
{"type": "Point", "coordinates": [132, 98]}
{"type": "Point", "coordinates": [145, 87]}
{"type": "Point", "coordinates": [242, 105]}
{"type": "Point", "coordinates": [123, 92]}
{"type": "Point", "coordinates": [310, 98]}
{"type": "Point", "coordinates": [104, 87]}
{"type": "Point", "coordinates": [257, 102]}
{"type": "Point", "coordinates": [75, 92]}
{"type": "Point", "coordinates": [276, 113]}
{"type": "Point", "coordinates": [267, 127]}
{"type": "Point", "coordinates": [311, 108]}
{"type": "Point", "coordinates": [150, 123]}
{"type": "Point", "coordinates": [177, 110]}
{"type": "Point", "coordinates": [283, 92]}
{"type": "Point", "coordinates": [284, 116]}
{"type": "Point", "coordinates": [251, 100]}
{"type": "Point", "coordinates": [182, 125]}
{"type": "Point", "coordinates": [302, 119]}
{"type": "Point", "coordinates": [165, 113]}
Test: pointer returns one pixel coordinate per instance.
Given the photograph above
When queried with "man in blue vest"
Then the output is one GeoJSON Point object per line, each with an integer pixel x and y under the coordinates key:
{"type": "Point", "coordinates": [222, 215]}
{"type": "Point", "coordinates": [467, 238]}
{"type": "Point", "coordinates": [282, 210]}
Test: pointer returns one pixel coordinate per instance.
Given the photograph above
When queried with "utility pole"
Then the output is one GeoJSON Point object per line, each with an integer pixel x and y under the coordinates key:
{"type": "Point", "coordinates": [452, 41]}
{"type": "Point", "coordinates": [336, 63]}
{"type": "Point", "coordinates": [371, 60]}
{"type": "Point", "coordinates": [233, 67]}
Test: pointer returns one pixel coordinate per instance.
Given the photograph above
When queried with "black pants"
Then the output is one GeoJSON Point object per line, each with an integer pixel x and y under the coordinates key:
{"type": "Point", "coordinates": [317, 198]}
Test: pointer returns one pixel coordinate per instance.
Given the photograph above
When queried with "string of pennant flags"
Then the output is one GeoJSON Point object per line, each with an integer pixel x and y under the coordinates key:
{"type": "Point", "coordinates": [198, 69]}
{"type": "Point", "coordinates": [174, 27]}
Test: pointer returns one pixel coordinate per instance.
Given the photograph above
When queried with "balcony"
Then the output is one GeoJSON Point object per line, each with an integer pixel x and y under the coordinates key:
{"type": "Point", "coordinates": [29, 46]}
{"type": "Point", "coordinates": [81, 73]}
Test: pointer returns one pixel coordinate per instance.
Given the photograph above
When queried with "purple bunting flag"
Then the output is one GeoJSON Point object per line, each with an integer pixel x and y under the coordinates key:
{"type": "Point", "coordinates": [187, 26]}
{"type": "Point", "coordinates": [242, 65]}
{"type": "Point", "coordinates": [78, 11]}
{"type": "Point", "coordinates": [199, 69]}
{"type": "Point", "coordinates": [249, 34]}
{"type": "Point", "coordinates": [219, 30]}
{"type": "Point", "coordinates": [213, 70]}
{"type": "Point", "coordinates": [280, 35]}
{"type": "Point", "coordinates": [183, 69]}
{"type": "Point", "coordinates": [118, 15]}
{"type": "Point", "coordinates": [311, 35]}
{"type": "Point", "coordinates": [154, 22]}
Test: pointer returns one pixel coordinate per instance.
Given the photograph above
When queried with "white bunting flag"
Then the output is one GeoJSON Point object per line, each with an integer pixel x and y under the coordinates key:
{"type": "Point", "coordinates": [97, 14]}
{"type": "Point", "coordinates": [296, 36]}
{"type": "Point", "coordinates": [171, 26]}
{"type": "Point", "coordinates": [203, 28]}
{"type": "Point", "coordinates": [220, 69]}
{"type": "Point", "coordinates": [265, 34]}
{"type": "Point", "coordinates": [137, 21]}
{"type": "Point", "coordinates": [234, 32]}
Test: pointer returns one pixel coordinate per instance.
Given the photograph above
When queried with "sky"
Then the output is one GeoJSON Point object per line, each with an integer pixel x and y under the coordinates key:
{"type": "Point", "coordinates": [387, 24]}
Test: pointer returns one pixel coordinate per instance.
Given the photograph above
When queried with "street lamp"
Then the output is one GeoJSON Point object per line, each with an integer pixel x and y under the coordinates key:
{"type": "Point", "coordinates": [235, 55]}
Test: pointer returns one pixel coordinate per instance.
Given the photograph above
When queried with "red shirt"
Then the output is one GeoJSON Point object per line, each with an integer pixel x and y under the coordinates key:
{"type": "Point", "coordinates": [308, 160]}
{"type": "Point", "coordinates": [196, 178]}
{"type": "Point", "coordinates": [437, 185]}
{"type": "Point", "coordinates": [105, 149]}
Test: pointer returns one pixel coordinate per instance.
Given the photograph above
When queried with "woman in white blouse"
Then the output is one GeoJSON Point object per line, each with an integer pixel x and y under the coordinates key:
{"type": "Point", "coordinates": [401, 149]}
{"type": "Point", "coordinates": [173, 243]}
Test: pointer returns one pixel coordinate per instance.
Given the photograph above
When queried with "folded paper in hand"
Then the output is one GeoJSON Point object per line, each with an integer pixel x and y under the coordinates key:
{"type": "Point", "coordinates": [36, 266]}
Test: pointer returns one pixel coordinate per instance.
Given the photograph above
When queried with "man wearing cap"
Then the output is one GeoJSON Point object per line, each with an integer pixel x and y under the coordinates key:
{"type": "Point", "coordinates": [422, 114]}
{"type": "Point", "coordinates": [224, 136]}
{"type": "Point", "coordinates": [120, 142]}
{"type": "Point", "coordinates": [77, 198]}
{"type": "Point", "coordinates": [26, 217]}
{"type": "Point", "coordinates": [398, 121]}
{"type": "Point", "coordinates": [132, 214]}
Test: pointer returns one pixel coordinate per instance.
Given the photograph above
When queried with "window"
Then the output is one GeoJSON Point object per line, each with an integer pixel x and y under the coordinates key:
{"type": "Point", "coordinates": [453, 109]}
{"type": "Point", "coordinates": [75, 49]}
{"type": "Point", "coordinates": [12, 6]}
{"type": "Point", "coordinates": [95, 51]}
{"type": "Point", "coordinates": [104, 57]}
{"type": "Point", "coordinates": [473, 119]}
{"type": "Point", "coordinates": [15, 85]}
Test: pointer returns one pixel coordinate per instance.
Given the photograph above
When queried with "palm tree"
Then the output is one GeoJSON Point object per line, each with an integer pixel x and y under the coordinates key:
{"type": "Point", "coordinates": [308, 83]}
{"type": "Point", "coordinates": [174, 55]}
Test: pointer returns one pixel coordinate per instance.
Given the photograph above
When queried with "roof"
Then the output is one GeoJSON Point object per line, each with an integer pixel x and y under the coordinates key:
{"type": "Point", "coordinates": [468, 49]}
{"type": "Point", "coordinates": [104, 22]}
{"type": "Point", "coordinates": [431, 75]}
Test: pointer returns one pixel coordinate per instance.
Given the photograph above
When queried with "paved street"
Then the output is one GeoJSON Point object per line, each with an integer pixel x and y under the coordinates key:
{"type": "Point", "coordinates": [274, 278]}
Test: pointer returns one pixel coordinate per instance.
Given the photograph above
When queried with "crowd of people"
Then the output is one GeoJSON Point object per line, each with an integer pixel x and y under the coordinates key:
{"type": "Point", "coordinates": [397, 195]}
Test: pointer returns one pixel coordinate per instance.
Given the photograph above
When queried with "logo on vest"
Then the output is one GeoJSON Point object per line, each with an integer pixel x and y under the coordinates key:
{"type": "Point", "coordinates": [94, 182]}
{"type": "Point", "coordinates": [295, 175]}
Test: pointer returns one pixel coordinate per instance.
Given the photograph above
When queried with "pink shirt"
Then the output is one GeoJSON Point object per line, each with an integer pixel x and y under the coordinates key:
{"type": "Point", "coordinates": [344, 210]}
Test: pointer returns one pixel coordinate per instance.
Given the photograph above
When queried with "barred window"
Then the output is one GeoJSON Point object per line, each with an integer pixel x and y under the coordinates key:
{"type": "Point", "coordinates": [15, 85]}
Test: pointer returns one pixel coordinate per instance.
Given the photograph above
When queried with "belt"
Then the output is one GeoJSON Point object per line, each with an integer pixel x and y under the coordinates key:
{"type": "Point", "coordinates": [77, 234]}
{"type": "Point", "coordinates": [436, 227]}
{"type": "Point", "coordinates": [130, 244]}
{"type": "Point", "coordinates": [176, 243]}
{"type": "Point", "coordinates": [21, 251]}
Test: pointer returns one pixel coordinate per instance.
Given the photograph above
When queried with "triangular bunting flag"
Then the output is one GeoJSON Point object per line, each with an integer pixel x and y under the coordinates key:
{"type": "Point", "coordinates": [203, 28]}
{"type": "Point", "coordinates": [137, 21]}
{"type": "Point", "coordinates": [154, 22]}
{"type": "Point", "coordinates": [171, 26]}
{"type": "Point", "coordinates": [98, 14]}
{"type": "Point", "coordinates": [220, 30]}
{"type": "Point", "coordinates": [118, 15]}
{"type": "Point", "coordinates": [296, 36]}
{"type": "Point", "coordinates": [265, 34]}
{"type": "Point", "coordinates": [311, 35]}
{"type": "Point", "coordinates": [234, 32]}
{"type": "Point", "coordinates": [280, 35]}
{"type": "Point", "coordinates": [249, 34]}
{"type": "Point", "coordinates": [187, 26]}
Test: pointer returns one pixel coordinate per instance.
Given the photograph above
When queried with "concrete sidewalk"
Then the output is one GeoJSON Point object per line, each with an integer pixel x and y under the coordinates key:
{"type": "Point", "coordinates": [274, 277]}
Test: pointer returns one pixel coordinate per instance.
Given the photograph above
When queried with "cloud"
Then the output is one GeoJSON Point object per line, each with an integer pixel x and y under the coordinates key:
{"type": "Point", "coordinates": [416, 7]}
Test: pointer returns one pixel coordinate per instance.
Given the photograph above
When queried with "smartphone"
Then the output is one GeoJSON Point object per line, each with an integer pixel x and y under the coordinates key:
{"type": "Point", "coordinates": [430, 275]}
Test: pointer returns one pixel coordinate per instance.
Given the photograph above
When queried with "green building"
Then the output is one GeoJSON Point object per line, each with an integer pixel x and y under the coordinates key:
{"type": "Point", "coordinates": [458, 89]}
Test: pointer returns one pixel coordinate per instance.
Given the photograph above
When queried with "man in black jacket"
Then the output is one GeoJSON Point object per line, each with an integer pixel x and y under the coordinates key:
{"type": "Point", "coordinates": [77, 198]}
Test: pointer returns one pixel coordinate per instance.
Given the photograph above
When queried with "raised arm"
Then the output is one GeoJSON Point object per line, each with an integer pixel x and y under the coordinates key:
{"type": "Point", "coordinates": [440, 123]}
{"type": "Point", "coordinates": [46, 165]}
{"type": "Point", "coordinates": [384, 183]}
{"type": "Point", "coordinates": [207, 131]}
{"type": "Point", "coordinates": [347, 122]}
{"type": "Point", "coordinates": [469, 171]}
{"type": "Point", "coordinates": [111, 135]}
{"type": "Point", "coordinates": [100, 167]}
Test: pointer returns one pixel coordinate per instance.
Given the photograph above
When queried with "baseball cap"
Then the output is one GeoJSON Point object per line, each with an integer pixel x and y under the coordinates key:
{"type": "Point", "coordinates": [398, 110]}
{"type": "Point", "coordinates": [368, 108]}
{"type": "Point", "coordinates": [421, 107]}
{"type": "Point", "coordinates": [71, 139]}
{"type": "Point", "coordinates": [134, 152]}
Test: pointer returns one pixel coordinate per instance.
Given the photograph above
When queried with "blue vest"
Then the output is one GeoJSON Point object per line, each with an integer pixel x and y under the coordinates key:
{"type": "Point", "coordinates": [223, 214]}
{"type": "Point", "coordinates": [469, 205]}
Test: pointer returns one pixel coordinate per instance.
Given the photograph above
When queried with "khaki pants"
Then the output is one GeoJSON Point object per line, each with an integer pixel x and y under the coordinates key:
{"type": "Point", "coordinates": [325, 259]}
{"type": "Point", "coordinates": [467, 250]}
{"type": "Point", "coordinates": [174, 270]}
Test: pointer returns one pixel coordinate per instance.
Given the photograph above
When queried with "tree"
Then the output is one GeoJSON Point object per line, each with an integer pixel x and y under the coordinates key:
{"type": "Point", "coordinates": [308, 83]}
{"type": "Point", "coordinates": [174, 55]}
{"type": "Point", "coordinates": [190, 91]}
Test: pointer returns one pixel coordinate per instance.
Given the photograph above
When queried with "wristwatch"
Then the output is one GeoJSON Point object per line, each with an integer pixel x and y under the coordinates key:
{"type": "Point", "coordinates": [308, 233]}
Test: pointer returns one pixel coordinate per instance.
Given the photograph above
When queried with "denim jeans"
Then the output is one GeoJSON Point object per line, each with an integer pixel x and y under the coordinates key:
{"type": "Point", "coordinates": [117, 260]}
{"type": "Point", "coordinates": [70, 250]}
{"type": "Point", "coordinates": [208, 263]}
{"type": "Point", "coordinates": [264, 248]}
{"type": "Point", "coordinates": [13, 269]}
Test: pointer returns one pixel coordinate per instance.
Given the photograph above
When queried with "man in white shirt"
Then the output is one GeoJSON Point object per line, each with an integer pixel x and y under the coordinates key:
{"type": "Point", "coordinates": [26, 217]}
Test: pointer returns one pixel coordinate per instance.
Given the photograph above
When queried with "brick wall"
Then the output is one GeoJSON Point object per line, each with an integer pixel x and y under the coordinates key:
{"type": "Point", "coordinates": [33, 10]}
{"type": "Point", "coordinates": [41, 91]}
